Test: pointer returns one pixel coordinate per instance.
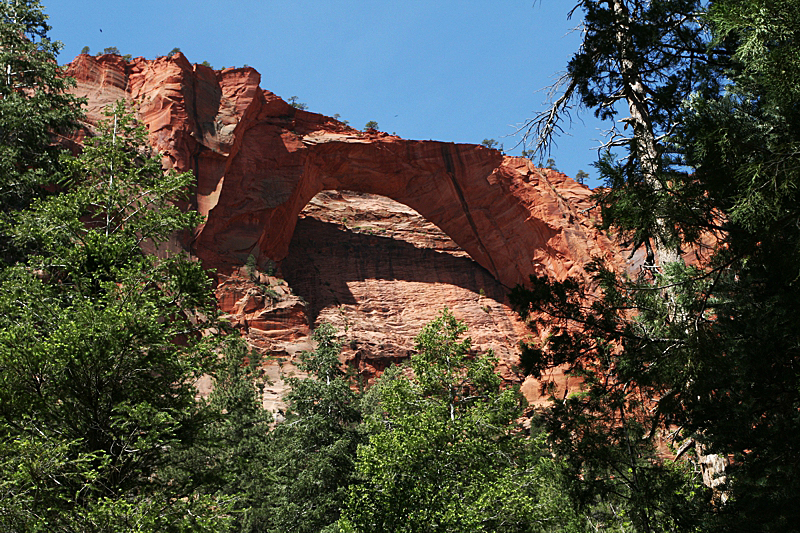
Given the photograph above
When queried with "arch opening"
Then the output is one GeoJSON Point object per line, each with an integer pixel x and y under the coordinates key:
{"type": "Point", "coordinates": [379, 271]}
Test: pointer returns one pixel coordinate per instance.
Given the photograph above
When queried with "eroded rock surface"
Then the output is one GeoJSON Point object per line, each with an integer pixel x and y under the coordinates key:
{"type": "Point", "coordinates": [259, 161]}
{"type": "Point", "coordinates": [452, 225]}
{"type": "Point", "coordinates": [379, 271]}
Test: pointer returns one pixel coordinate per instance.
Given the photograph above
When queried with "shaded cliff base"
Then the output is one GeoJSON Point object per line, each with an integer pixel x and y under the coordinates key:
{"type": "Point", "coordinates": [378, 271]}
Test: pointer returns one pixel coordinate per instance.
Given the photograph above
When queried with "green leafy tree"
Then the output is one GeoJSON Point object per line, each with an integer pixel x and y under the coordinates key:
{"type": "Point", "coordinates": [85, 50]}
{"type": "Point", "coordinates": [174, 51]}
{"type": "Point", "coordinates": [35, 111]}
{"type": "Point", "coordinates": [445, 452]}
{"type": "Point", "coordinates": [111, 50]}
{"type": "Point", "coordinates": [313, 449]}
{"type": "Point", "coordinates": [489, 143]}
{"type": "Point", "coordinates": [371, 125]}
{"type": "Point", "coordinates": [581, 176]}
{"type": "Point", "coordinates": [100, 347]}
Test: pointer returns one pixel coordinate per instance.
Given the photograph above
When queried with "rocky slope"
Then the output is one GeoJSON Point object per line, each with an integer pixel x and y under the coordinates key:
{"type": "Point", "coordinates": [371, 232]}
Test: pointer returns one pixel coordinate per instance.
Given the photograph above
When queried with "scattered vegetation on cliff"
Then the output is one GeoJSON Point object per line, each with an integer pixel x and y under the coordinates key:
{"type": "Point", "coordinates": [295, 102]}
{"type": "Point", "coordinates": [337, 116]}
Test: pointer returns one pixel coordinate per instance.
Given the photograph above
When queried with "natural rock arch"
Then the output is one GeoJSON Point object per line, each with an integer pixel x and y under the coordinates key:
{"type": "Point", "coordinates": [259, 161]}
{"type": "Point", "coordinates": [462, 189]}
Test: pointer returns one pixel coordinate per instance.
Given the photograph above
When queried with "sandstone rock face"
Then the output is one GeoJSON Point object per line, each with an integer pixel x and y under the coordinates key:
{"type": "Point", "coordinates": [259, 161]}
{"type": "Point", "coordinates": [379, 271]}
{"type": "Point", "coordinates": [424, 225]}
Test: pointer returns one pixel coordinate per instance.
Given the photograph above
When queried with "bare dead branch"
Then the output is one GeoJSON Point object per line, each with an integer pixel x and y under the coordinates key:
{"type": "Point", "coordinates": [545, 125]}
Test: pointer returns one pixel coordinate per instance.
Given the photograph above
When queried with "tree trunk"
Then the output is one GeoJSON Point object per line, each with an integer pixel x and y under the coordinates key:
{"type": "Point", "coordinates": [644, 137]}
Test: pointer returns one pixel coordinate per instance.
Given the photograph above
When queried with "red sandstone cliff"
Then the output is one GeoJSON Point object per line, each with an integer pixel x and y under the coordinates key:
{"type": "Point", "coordinates": [427, 224]}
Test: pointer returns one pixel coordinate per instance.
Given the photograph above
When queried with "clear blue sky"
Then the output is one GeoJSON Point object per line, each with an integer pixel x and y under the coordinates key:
{"type": "Point", "coordinates": [448, 70]}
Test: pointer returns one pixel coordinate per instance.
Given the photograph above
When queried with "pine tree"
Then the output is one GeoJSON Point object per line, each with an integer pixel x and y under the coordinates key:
{"type": "Point", "coordinates": [704, 355]}
{"type": "Point", "coordinates": [646, 57]}
{"type": "Point", "coordinates": [314, 448]}
{"type": "Point", "coordinates": [230, 458]}
{"type": "Point", "coordinates": [743, 147]}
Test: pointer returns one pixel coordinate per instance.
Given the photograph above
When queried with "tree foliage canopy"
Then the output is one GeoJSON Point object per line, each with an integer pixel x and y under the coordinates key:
{"type": "Point", "coordinates": [104, 332]}
{"type": "Point", "coordinates": [35, 110]}
{"type": "Point", "coordinates": [100, 346]}
{"type": "Point", "coordinates": [445, 452]}
{"type": "Point", "coordinates": [700, 354]}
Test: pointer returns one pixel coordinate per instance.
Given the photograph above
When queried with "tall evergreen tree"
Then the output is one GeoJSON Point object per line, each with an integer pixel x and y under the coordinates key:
{"type": "Point", "coordinates": [100, 347]}
{"type": "Point", "coordinates": [230, 458]}
{"type": "Point", "coordinates": [706, 354]}
{"type": "Point", "coordinates": [35, 110]}
{"type": "Point", "coordinates": [314, 448]}
{"type": "Point", "coordinates": [639, 60]}
{"type": "Point", "coordinates": [744, 149]}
